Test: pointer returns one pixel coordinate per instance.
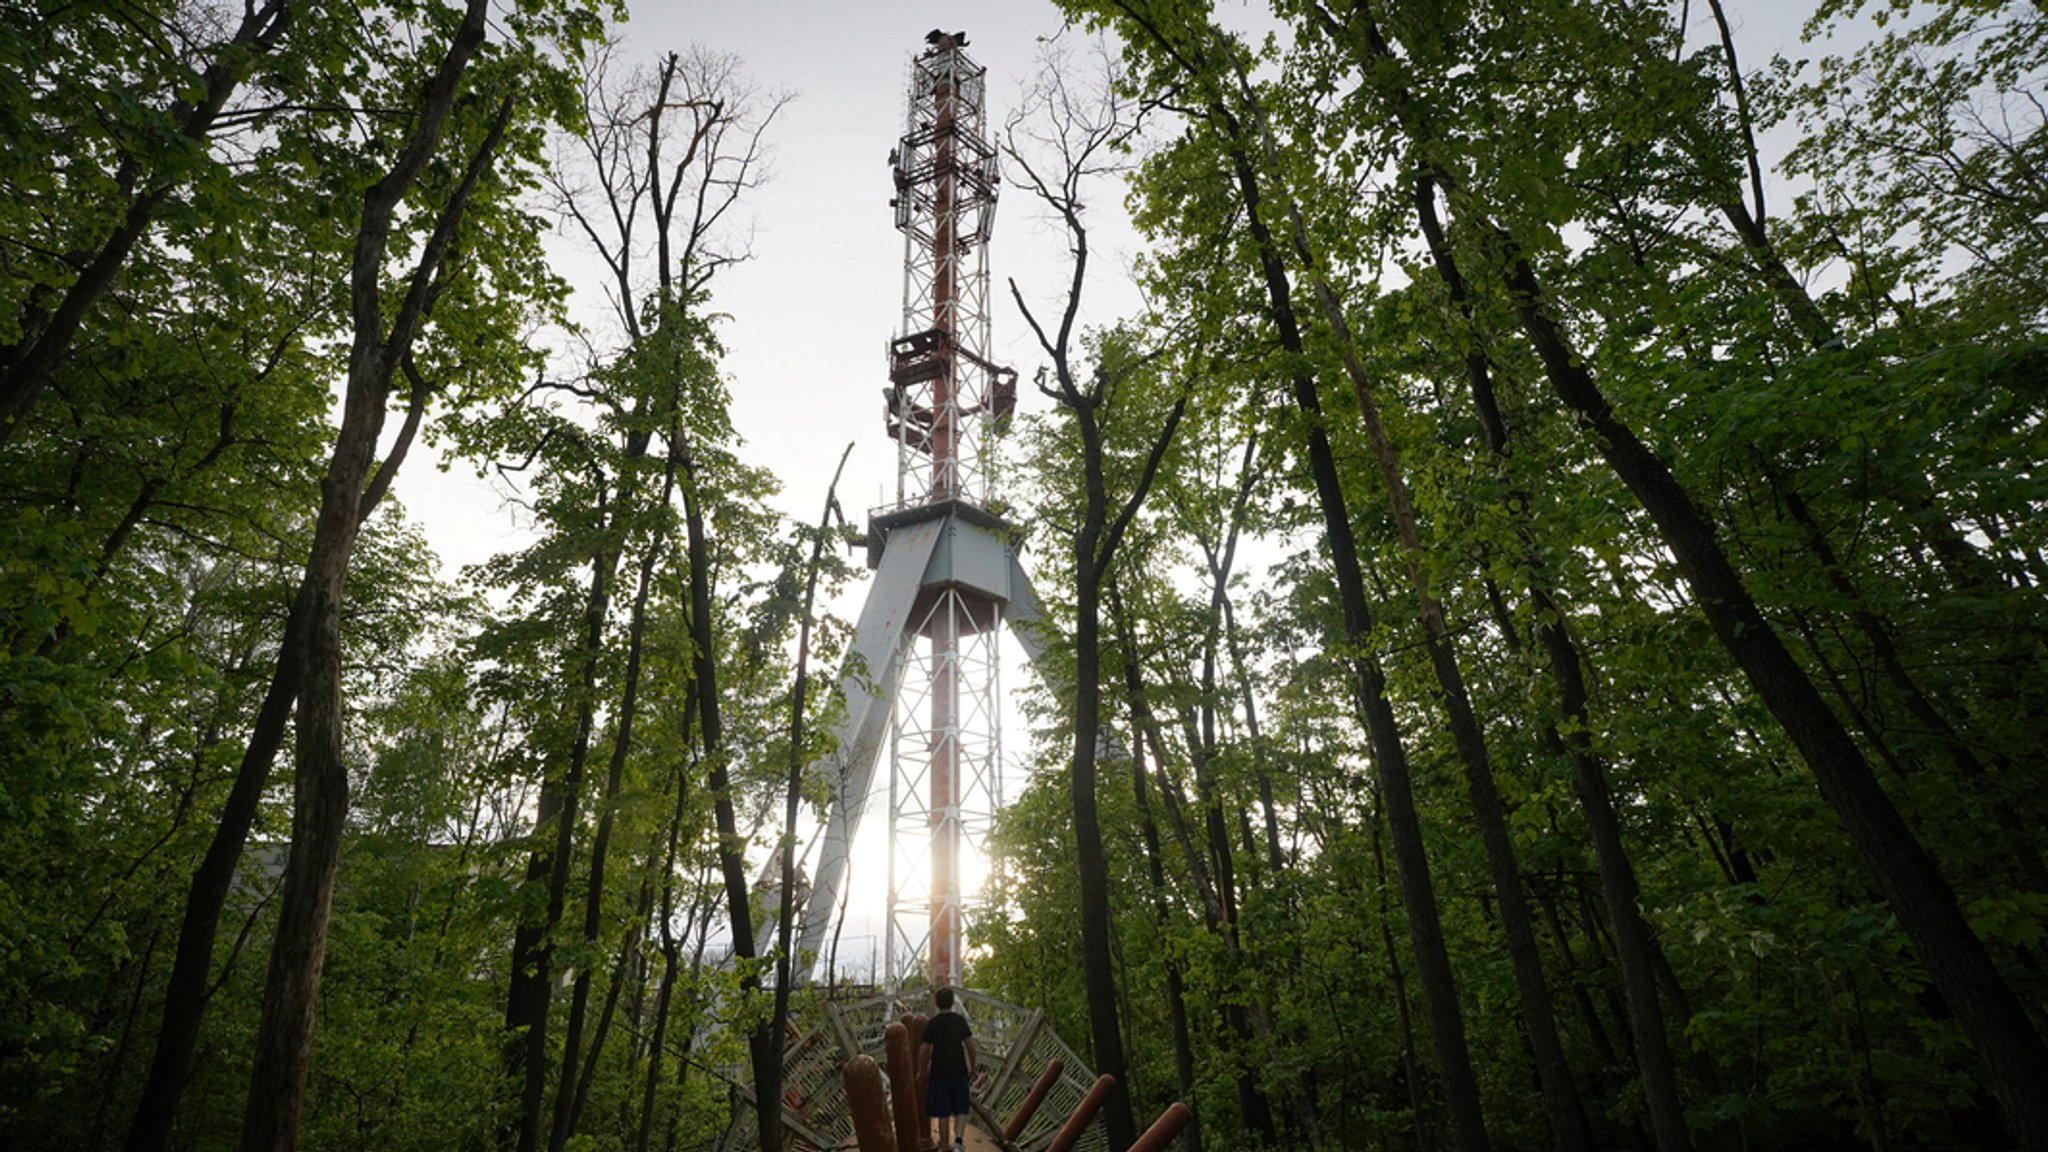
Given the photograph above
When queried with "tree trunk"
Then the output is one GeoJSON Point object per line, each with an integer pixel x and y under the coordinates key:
{"type": "Point", "coordinates": [284, 1034]}
{"type": "Point", "coordinates": [1091, 861]}
{"type": "Point", "coordinates": [567, 1103]}
{"type": "Point", "coordinates": [1176, 999]}
{"type": "Point", "coordinates": [1446, 1023]}
{"type": "Point", "coordinates": [792, 796]}
{"type": "Point", "coordinates": [1411, 1068]}
{"type": "Point", "coordinates": [1176, 1002]}
{"type": "Point", "coordinates": [762, 1044]}
{"type": "Point", "coordinates": [1390, 756]}
{"type": "Point", "coordinates": [1095, 544]}
{"type": "Point", "coordinates": [1589, 774]}
{"type": "Point", "coordinates": [1276, 859]}
{"type": "Point", "coordinates": [530, 992]}
{"type": "Point", "coordinates": [185, 994]}
{"type": "Point", "coordinates": [671, 944]}
{"type": "Point", "coordinates": [1553, 1073]}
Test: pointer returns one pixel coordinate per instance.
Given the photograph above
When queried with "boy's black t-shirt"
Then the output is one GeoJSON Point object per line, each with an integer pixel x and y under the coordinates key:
{"type": "Point", "coordinates": [947, 1033]}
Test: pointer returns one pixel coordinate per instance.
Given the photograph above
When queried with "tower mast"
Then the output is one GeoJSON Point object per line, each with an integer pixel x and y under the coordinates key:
{"type": "Point", "coordinates": [944, 392]}
{"type": "Point", "coordinates": [944, 395]}
{"type": "Point", "coordinates": [924, 664]}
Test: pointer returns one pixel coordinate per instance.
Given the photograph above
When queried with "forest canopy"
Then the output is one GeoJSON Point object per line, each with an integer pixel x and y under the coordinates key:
{"type": "Point", "coordinates": [1544, 591]}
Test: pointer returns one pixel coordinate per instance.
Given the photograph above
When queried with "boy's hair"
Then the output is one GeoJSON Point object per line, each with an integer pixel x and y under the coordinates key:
{"type": "Point", "coordinates": [944, 998]}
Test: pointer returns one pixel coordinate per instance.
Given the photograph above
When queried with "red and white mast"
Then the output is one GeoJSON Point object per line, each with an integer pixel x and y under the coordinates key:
{"type": "Point", "coordinates": [924, 669]}
{"type": "Point", "coordinates": [944, 397]}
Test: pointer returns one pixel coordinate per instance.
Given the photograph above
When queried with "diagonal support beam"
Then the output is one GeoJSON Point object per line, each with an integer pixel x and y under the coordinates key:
{"type": "Point", "coordinates": [868, 681]}
{"type": "Point", "coordinates": [915, 553]}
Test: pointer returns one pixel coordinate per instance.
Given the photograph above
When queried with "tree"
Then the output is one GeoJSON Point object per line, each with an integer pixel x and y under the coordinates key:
{"type": "Point", "coordinates": [692, 126]}
{"type": "Point", "coordinates": [380, 350]}
{"type": "Point", "coordinates": [1081, 135]}
{"type": "Point", "coordinates": [1922, 897]}
{"type": "Point", "coordinates": [1686, 301]}
{"type": "Point", "coordinates": [103, 235]}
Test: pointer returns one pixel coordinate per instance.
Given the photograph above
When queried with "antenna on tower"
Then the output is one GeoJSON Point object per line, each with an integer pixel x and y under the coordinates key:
{"type": "Point", "coordinates": [944, 393]}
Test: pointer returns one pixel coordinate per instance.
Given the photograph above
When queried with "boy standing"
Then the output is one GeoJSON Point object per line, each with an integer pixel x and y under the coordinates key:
{"type": "Point", "coordinates": [948, 1055]}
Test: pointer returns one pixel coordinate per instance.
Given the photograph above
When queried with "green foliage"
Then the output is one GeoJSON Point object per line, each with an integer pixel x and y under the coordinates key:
{"type": "Point", "coordinates": [1850, 389]}
{"type": "Point", "coordinates": [1845, 376]}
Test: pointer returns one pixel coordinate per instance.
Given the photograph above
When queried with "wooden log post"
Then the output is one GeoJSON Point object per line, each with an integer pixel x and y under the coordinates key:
{"type": "Point", "coordinates": [1070, 1133]}
{"type": "Point", "coordinates": [916, 1022]}
{"type": "Point", "coordinates": [869, 1104]}
{"type": "Point", "coordinates": [1164, 1129]}
{"type": "Point", "coordinates": [1032, 1100]}
{"type": "Point", "coordinates": [903, 1088]}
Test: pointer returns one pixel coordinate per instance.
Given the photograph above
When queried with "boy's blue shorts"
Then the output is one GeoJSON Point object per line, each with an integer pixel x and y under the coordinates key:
{"type": "Point", "coordinates": [948, 1097]}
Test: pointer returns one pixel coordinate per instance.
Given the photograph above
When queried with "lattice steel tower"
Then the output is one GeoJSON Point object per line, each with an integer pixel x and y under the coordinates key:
{"type": "Point", "coordinates": [925, 655]}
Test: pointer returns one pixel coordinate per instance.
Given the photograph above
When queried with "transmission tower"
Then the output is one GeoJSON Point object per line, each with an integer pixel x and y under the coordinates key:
{"type": "Point", "coordinates": [925, 664]}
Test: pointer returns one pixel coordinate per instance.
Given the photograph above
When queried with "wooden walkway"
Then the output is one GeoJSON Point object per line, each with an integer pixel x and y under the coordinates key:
{"type": "Point", "coordinates": [1013, 1044]}
{"type": "Point", "coordinates": [979, 1141]}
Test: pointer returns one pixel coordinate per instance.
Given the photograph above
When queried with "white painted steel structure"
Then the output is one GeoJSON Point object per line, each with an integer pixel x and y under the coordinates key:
{"type": "Point", "coordinates": [947, 578]}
